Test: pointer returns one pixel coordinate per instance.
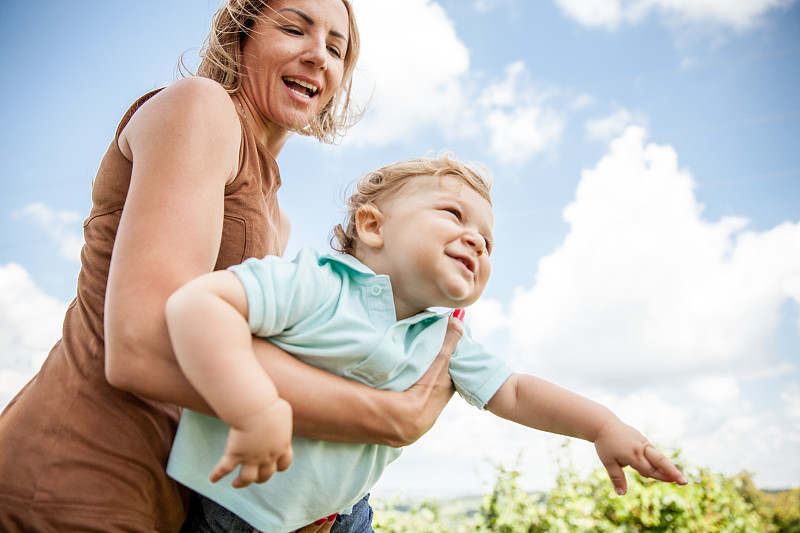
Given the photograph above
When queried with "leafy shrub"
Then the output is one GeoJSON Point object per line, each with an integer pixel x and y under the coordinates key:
{"type": "Point", "coordinates": [709, 503]}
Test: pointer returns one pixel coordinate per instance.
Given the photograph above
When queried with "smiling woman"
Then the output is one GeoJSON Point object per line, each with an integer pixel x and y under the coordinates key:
{"type": "Point", "coordinates": [189, 185]}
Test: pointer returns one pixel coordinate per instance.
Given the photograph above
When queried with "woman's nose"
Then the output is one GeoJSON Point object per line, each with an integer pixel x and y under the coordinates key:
{"type": "Point", "coordinates": [316, 55]}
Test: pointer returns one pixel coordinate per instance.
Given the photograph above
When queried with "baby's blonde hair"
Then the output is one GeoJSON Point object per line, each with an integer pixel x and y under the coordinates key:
{"type": "Point", "coordinates": [222, 62]}
{"type": "Point", "coordinates": [383, 183]}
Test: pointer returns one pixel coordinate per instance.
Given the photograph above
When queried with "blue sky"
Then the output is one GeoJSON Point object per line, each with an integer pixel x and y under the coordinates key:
{"type": "Point", "coordinates": [647, 183]}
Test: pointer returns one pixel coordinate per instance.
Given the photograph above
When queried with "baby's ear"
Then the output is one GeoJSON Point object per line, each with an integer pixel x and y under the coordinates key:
{"type": "Point", "coordinates": [369, 225]}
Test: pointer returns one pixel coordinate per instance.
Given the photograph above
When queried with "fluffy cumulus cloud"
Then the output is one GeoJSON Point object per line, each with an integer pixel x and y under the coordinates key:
{"type": "Point", "coordinates": [644, 281]}
{"type": "Point", "coordinates": [30, 323]}
{"type": "Point", "coordinates": [411, 78]}
{"type": "Point", "coordinates": [738, 14]}
{"type": "Point", "coordinates": [518, 119]}
{"type": "Point", "coordinates": [427, 83]}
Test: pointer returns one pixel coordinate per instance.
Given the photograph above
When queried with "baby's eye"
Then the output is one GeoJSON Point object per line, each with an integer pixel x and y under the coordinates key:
{"type": "Point", "coordinates": [455, 212]}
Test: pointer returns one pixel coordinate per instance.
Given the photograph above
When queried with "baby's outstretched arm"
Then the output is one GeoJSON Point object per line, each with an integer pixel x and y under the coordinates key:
{"type": "Point", "coordinates": [541, 405]}
{"type": "Point", "coordinates": [208, 328]}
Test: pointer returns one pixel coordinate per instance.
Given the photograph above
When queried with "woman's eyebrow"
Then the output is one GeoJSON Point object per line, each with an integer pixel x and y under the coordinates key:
{"type": "Point", "coordinates": [310, 21]}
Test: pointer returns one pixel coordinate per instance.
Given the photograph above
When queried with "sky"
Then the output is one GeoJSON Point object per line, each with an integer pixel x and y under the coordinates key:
{"type": "Point", "coordinates": [646, 191]}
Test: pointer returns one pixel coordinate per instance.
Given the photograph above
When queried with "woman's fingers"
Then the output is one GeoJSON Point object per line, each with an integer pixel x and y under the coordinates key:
{"type": "Point", "coordinates": [438, 373]}
{"type": "Point", "coordinates": [435, 386]}
{"type": "Point", "coordinates": [323, 525]}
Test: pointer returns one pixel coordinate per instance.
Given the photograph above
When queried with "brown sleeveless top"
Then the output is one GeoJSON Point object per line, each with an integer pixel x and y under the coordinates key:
{"type": "Point", "coordinates": [77, 454]}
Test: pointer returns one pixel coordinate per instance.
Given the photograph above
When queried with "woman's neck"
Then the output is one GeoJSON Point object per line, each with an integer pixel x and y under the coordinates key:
{"type": "Point", "coordinates": [271, 135]}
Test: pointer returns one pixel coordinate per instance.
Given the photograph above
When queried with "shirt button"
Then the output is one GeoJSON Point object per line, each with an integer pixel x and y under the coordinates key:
{"type": "Point", "coordinates": [376, 290]}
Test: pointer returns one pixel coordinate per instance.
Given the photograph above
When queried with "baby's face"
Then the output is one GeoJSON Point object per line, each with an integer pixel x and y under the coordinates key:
{"type": "Point", "coordinates": [437, 240]}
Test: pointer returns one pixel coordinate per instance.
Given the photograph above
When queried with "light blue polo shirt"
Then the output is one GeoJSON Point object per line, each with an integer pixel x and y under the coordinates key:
{"type": "Point", "coordinates": [333, 312]}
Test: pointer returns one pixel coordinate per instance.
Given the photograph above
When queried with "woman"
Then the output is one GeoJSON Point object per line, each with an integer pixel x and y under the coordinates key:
{"type": "Point", "coordinates": [188, 186]}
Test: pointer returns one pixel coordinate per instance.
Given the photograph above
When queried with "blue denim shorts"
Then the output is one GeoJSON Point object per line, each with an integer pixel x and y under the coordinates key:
{"type": "Point", "coordinates": [207, 516]}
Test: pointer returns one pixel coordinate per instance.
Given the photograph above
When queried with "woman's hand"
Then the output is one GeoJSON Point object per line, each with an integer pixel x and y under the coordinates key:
{"type": "Point", "coordinates": [420, 406]}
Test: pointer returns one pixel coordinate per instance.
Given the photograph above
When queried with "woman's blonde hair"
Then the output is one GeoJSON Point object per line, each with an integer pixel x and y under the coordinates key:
{"type": "Point", "coordinates": [222, 62]}
{"type": "Point", "coordinates": [381, 184]}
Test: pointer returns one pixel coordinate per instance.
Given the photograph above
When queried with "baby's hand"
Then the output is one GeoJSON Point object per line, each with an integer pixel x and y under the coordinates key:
{"type": "Point", "coordinates": [619, 445]}
{"type": "Point", "coordinates": [262, 444]}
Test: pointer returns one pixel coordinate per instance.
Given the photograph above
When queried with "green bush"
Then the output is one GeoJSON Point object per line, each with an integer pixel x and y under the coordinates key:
{"type": "Point", "coordinates": [710, 503]}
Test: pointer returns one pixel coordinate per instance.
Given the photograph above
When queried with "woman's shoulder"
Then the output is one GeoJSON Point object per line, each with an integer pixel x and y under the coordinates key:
{"type": "Point", "coordinates": [192, 104]}
{"type": "Point", "coordinates": [195, 94]}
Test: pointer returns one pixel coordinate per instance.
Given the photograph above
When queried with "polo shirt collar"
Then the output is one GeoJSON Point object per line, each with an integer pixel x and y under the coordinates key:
{"type": "Point", "coordinates": [359, 268]}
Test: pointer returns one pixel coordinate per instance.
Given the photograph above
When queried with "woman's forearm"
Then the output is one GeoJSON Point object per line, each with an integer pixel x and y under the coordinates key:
{"type": "Point", "coordinates": [330, 407]}
{"type": "Point", "coordinates": [334, 408]}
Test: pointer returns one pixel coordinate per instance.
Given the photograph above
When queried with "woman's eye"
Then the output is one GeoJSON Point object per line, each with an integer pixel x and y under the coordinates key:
{"type": "Point", "coordinates": [292, 30]}
{"type": "Point", "coordinates": [335, 51]}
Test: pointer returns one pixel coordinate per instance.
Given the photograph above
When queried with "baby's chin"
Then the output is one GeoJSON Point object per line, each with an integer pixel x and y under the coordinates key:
{"type": "Point", "coordinates": [456, 302]}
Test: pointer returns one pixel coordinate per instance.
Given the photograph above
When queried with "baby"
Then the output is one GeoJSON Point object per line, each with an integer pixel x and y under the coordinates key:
{"type": "Point", "coordinates": [418, 235]}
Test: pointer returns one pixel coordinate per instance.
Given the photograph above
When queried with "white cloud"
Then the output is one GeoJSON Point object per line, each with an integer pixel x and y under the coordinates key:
{"type": "Point", "coordinates": [485, 317]}
{"type": "Point", "coordinates": [30, 323]}
{"type": "Point", "coordinates": [415, 75]}
{"type": "Point", "coordinates": [740, 438]}
{"type": "Point", "coordinates": [609, 14]}
{"type": "Point", "coordinates": [643, 281]}
{"type": "Point", "coordinates": [62, 226]}
{"type": "Point", "coordinates": [520, 125]}
{"type": "Point", "coordinates": [603, 13]}
{"type": "Point", "coordinates": [426, 83]}
{"type": "Point", "coordinates": [607, 128]}
{"type": "Point", "coordinates": [716, 390]}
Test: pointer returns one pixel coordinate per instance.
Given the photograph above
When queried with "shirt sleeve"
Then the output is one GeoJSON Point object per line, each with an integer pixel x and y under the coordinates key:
{"type": "Point", "coordinates": [476, 373]}
{"type": "Point", "coordinates": [281, 293]}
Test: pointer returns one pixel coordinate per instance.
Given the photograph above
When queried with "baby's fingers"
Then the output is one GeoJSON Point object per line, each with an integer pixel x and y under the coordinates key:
{"type": "Point", "coordinates": [661, 468]}
{"type": "Point", "coordinates": [617, 477]}
{"type": "Point", "coordinates": [225, 466]}
{"type": "Point", "coordinates": [249, 473]}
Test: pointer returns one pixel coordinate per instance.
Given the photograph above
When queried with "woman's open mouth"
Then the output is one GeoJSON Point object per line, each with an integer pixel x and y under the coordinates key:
{"type": "Point", "coordinates": [300, 87]}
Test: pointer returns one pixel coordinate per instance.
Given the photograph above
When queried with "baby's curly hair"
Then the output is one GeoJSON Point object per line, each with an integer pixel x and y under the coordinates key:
{"type": "Point", "coordinates": [382, 183]}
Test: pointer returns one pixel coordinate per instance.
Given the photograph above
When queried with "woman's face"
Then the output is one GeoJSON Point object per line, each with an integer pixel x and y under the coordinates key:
{"type": "Point", "coordinates": [293, 60]}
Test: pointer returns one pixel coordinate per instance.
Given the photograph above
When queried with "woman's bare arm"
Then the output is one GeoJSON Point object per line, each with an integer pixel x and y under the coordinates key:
{"type": "Point", "coordinates": [343, 410]}
{"type": "Point", "coordinates": [184, 144]}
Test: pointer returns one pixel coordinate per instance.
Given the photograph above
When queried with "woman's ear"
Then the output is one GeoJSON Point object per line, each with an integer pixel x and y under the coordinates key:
{"type": "Point", "coordinates": [369, 226]}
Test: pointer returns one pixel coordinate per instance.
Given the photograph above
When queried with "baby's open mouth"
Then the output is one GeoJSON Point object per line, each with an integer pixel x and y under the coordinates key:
{"type": "Point", "coordinates": [467, 262]}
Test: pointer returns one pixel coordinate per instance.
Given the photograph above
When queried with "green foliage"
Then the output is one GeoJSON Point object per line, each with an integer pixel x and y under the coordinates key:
{"type": "Point", "coordinates": [709, 503]}
{"type": "Point", "coordinates": [783, 509]}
